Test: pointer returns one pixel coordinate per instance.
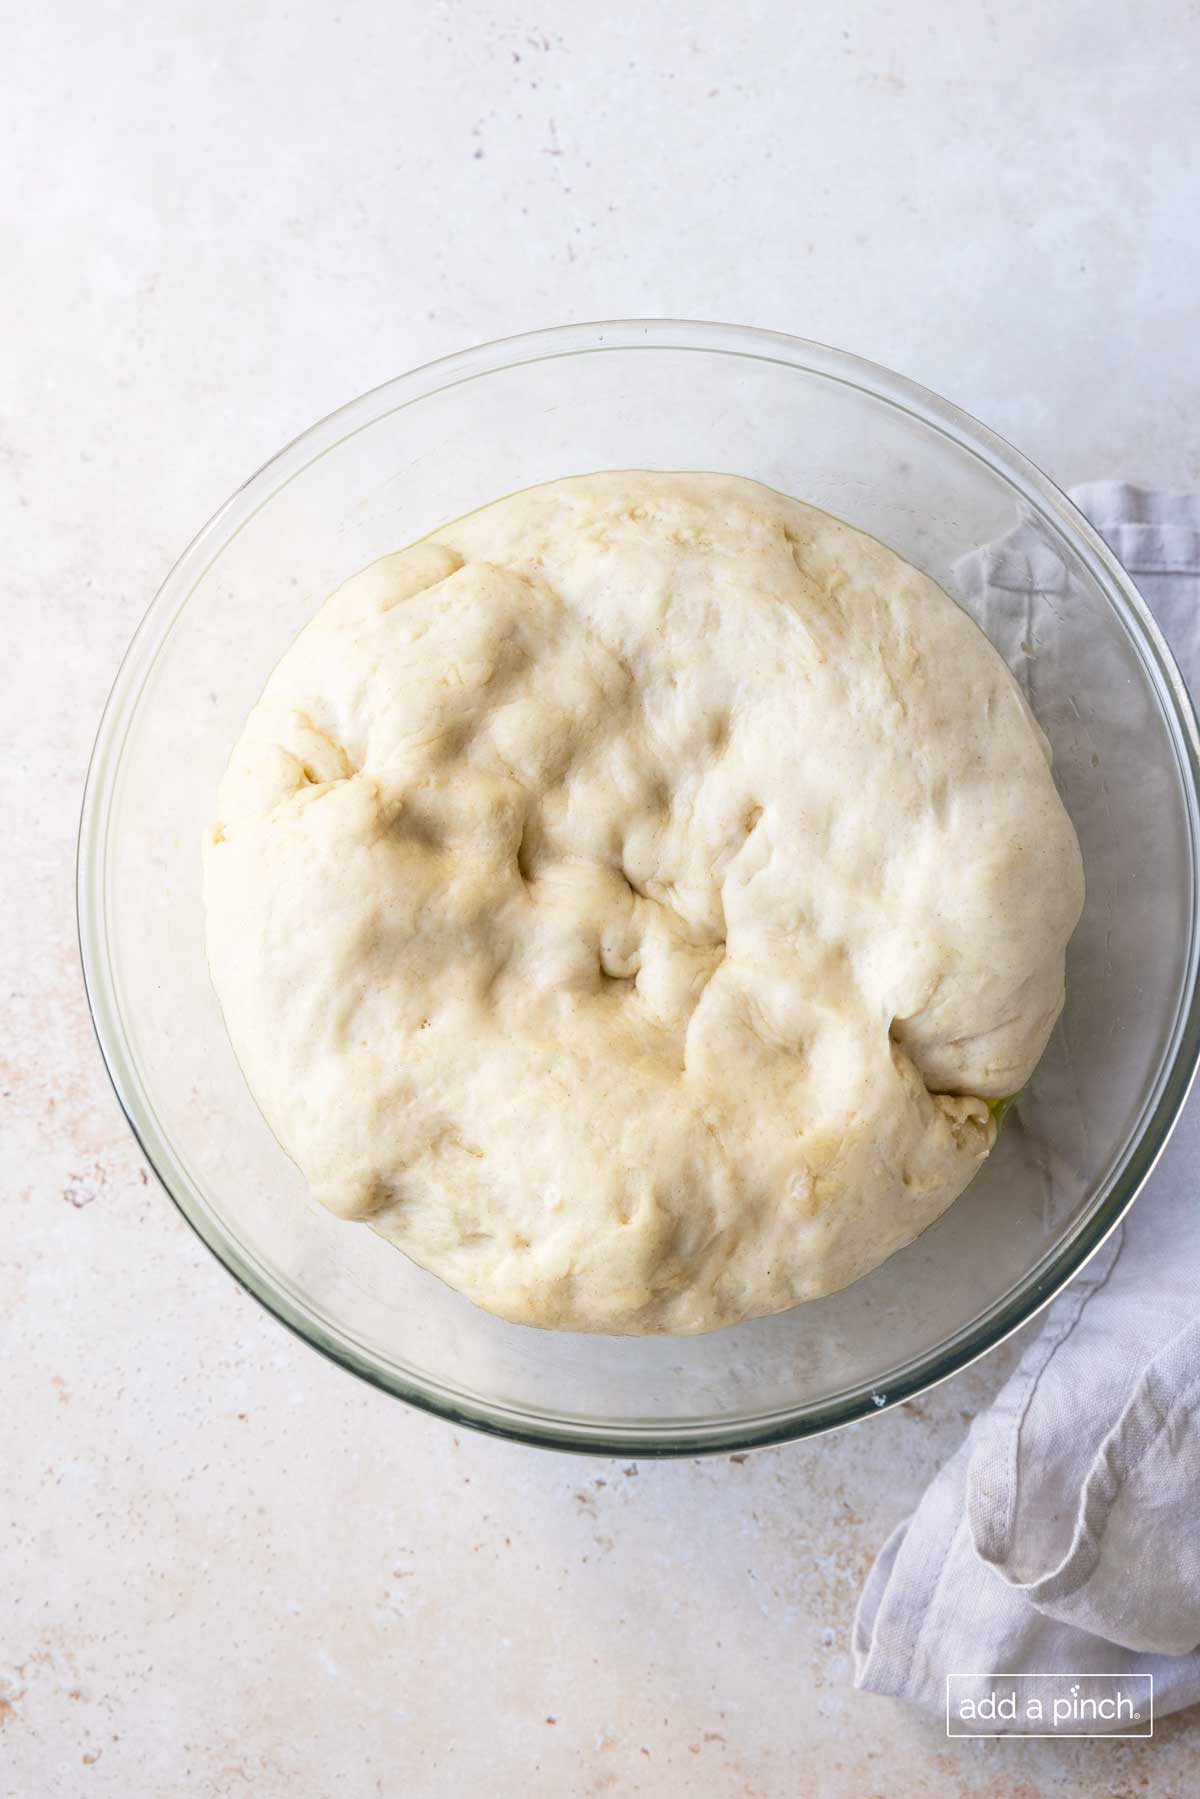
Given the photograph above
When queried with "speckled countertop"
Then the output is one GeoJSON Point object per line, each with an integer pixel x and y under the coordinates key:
{"type": "Point", "coordinates": [229, 1568]}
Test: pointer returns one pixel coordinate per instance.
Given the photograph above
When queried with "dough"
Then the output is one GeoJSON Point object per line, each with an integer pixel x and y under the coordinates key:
{"type": "Point", "coordinates": [629, 898]}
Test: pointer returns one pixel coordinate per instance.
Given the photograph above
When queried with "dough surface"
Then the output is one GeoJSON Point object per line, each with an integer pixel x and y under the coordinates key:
{"type": "Point", "coordinates": [629, 898]}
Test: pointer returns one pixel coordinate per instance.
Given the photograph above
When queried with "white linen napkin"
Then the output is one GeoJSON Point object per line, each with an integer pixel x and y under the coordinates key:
{"type": "Point", "coordinates": [1064, 1535]}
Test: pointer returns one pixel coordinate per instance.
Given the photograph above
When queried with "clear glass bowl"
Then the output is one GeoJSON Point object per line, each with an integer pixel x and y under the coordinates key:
{"type": "Point", "coordinates": [894, 460]}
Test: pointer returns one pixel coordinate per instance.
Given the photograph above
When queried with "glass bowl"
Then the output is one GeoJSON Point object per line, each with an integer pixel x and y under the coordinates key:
{"type": "Point", "coordinates": [892, 459]}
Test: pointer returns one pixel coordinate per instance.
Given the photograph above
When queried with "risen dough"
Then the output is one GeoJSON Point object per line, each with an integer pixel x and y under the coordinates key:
{"type": "Point", "coordinates": [629, 898]}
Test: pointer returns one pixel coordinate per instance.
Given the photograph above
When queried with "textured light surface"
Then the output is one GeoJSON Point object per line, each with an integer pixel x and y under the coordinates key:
{"type": "Point", "coordinates": [228, 1567]}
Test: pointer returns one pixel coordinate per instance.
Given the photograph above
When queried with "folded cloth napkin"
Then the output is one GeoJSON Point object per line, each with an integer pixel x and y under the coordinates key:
{"type": "Point", "coordinates": [1064, 1535]}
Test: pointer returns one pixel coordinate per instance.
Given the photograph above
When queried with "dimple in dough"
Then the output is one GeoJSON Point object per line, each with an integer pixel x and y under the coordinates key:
{"type": "Point", "coordinates": [628, 899]}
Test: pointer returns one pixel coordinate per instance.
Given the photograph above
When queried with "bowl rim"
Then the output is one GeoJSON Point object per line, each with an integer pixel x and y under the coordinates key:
{"type": "Point", "coordinates": [642, 1439]}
